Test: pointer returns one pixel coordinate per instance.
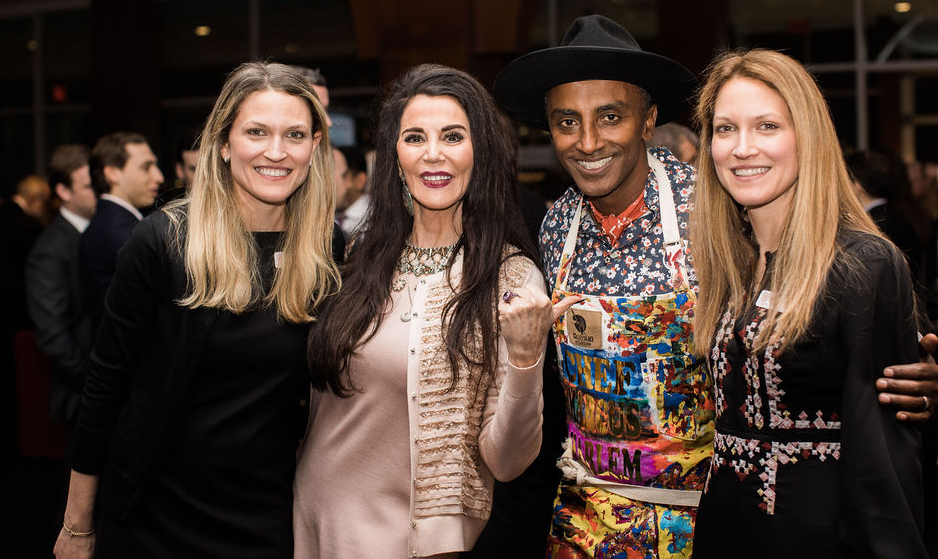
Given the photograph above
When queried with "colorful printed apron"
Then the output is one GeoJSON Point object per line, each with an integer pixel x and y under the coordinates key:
{"type": "Point", "coordinates": [639, 413]}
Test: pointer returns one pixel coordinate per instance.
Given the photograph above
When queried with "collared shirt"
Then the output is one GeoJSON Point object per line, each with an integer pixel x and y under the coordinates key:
{"type": "Point", "coordinates": [875, 203]}
{"type": "Point", "coordinates": [614, 225]}
{"type": "Point", "coordinates": [124, 204]}
{"type": "Point", "coordinates": [78, 222]}
{"type": "Point", "coordinates": [635, 265]}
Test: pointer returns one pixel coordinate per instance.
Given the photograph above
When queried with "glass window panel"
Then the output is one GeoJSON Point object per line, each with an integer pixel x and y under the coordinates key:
{"type": "Point", "coordinates": [67, 57]}
{"type": "Point", "coordinates": [16, 88]}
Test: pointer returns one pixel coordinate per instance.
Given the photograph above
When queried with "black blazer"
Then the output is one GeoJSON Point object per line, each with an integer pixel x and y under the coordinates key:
{"type": "Point", "coordinates": [55, 301]}
{"type": "Point", "coordinates": [106, 234]}
{"type": "Point", "coordinates": [141, 367]}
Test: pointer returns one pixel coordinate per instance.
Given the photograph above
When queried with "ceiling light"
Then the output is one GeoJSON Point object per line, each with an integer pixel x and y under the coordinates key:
{"type": "Point", "coordinates": [902, 7]}
{"type": "Point", "coordinates": [203, 30]}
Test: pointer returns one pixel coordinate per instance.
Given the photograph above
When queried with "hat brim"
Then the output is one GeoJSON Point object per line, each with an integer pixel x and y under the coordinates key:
{"type": "Point", "coordinates": [521, 86]}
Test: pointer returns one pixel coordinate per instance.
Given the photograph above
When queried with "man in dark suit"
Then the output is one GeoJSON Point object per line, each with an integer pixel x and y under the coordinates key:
{"type": "Point", "coordinates": [54, 299]}
{"type": "Point", "coordinates": [125, 176]}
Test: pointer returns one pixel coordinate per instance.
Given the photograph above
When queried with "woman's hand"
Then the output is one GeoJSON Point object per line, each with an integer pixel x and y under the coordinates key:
{"type": "Point", "coordinates": [79, 517]}
{"type": "Point", "coordinates": [68, 546]}
{"type": "Point", "coordinates": [525, 316]}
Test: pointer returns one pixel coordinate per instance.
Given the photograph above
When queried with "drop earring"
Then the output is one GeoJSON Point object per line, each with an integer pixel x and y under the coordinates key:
{"type": "Point", "coordinates": [405, 192]}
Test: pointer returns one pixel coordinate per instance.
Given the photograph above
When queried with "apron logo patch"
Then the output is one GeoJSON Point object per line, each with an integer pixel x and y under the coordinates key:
{"type": "Point", "coordinates": [587, 331]}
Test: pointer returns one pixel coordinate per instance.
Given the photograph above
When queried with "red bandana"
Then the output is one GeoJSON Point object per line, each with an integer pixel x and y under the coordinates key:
{"type": "Point", "coordinates": [614, 225]}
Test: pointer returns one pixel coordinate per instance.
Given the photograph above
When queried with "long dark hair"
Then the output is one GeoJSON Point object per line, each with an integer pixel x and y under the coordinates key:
{"type": "Point", "coordinates": [491, 221]}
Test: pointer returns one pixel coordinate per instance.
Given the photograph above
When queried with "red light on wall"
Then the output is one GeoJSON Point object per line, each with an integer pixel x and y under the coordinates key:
{"type": "Point", "coordinates": [59, 93]}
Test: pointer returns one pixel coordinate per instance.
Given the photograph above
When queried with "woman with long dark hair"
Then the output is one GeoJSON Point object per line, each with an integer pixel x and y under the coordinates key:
{"type": "Point", "coordinates": [428, 362]}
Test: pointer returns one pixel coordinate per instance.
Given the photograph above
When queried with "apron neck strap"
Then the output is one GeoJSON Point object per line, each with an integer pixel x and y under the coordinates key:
{"type": "Point", "coordinates": [669, 226]}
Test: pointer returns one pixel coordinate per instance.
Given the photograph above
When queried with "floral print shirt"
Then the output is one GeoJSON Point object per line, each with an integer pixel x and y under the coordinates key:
{"type": "Point", "coordinates": [636, 264]}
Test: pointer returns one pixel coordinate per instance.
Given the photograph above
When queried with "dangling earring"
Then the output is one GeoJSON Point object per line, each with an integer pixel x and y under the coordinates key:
{"type": "Point", "coordinates": [405, 192]}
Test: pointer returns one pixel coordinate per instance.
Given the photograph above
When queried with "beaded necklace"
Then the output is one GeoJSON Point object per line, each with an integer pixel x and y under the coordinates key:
{"type": "Point", "coordinates": [421, 262]}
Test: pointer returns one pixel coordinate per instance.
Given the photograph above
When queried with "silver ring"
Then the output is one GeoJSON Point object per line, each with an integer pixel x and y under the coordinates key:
{"type": "Point", "coordinates": [927, 403]}
{"type": "Point", "coordinates": [508, 296]}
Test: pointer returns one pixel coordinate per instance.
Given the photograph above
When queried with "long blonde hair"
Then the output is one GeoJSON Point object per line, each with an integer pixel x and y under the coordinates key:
{"type": "Point", "coordinates": [824, 203]}
{"type": "Point", "coordinates": [219, 252]}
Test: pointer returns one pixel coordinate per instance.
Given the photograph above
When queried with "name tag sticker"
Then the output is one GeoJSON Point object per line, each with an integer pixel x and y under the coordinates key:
{"type": "Point", "coordinates": [767, 300]}
{"type": "Point", "coordinates": [585, 328]}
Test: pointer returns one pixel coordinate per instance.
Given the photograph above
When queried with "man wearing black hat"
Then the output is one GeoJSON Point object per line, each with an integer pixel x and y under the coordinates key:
{"type": "Point", "coordinates": [640, 405]}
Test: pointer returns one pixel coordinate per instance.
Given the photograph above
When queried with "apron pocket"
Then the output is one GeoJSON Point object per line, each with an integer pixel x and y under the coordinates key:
{"type": "Point", "coordinates": [681, 389]}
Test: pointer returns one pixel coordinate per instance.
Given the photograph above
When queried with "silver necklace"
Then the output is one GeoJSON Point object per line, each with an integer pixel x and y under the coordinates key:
{"type": "Point", "coordinates": [418, 262]}
{"type": "Point", "coordinates": [424, 261]}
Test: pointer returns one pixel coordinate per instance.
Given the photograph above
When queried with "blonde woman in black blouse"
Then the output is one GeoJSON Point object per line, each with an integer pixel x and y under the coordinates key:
{"type": "Point", "coordinates": [803, 303]}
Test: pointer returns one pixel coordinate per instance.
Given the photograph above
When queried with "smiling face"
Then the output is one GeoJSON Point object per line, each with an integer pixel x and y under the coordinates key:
{"type": "Point", "coordinates": [270, 144]}
{"type": "Point", "coordinates": [599, 130]}
{"type": "Point", "coordinates": [434, 149]}
{"type": "Point", "coordinates": [754, 147]}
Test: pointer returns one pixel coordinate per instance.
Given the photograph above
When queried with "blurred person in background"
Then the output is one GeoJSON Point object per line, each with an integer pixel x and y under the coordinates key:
{"type": "Point", "coordinates": [54, 296]}
{"type": "Point", "coordinates": [679, 139]}
{"type": "Point", "coordinates": [187, 156]}
{"type": "Point", "coordinates": [21, 216]}
{"type": "Point", "coordinates": [877, 188]}
{"type": "Point", "coordinates": [351, 209]}
{"type": "Point", "coordinates": [318, 81]}
{"type": "Point", "coordinates": [127, 179]}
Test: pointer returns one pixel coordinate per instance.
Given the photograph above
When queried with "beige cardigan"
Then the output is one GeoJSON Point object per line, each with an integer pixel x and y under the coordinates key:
{"type": "Point", "coordinates": [457, 442]}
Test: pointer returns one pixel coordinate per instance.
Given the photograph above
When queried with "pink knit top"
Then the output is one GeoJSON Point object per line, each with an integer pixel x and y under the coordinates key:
{"type": "Point", "coordinates": [405, 468]}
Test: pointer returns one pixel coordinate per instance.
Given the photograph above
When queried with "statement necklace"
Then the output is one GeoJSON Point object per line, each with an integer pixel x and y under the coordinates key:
{"type": "Point", "coordinates": [422, 262]}
{"type": "Point", "coordinates": [418, 261]}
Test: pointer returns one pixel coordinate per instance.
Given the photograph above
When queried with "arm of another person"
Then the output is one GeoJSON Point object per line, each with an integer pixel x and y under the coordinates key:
{"type": "Point", "coordinates": [909, 387]}
{"type": "Point", "coordinates": [130, 307]}
{"type": "Point", "coordinates": [511, 424]}
{"type": "Point", "coordinates": [881, 473]}
{"type": "Point", "coordinates": [48, 297]}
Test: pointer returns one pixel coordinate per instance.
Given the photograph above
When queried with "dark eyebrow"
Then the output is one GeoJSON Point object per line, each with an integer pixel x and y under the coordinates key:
{"type": "Point", "coordinates": [453, 127]}
{"type": "Point", "coordinates": [564, 112]}
{"type": "Point", "coordinates": [412, 129]}
{"type": "Point", "coordinates": [611, 106]}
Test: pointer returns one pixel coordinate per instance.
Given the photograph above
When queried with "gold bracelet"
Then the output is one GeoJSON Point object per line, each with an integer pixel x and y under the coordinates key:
{"type": "Point", "coordinates": [75, 534]}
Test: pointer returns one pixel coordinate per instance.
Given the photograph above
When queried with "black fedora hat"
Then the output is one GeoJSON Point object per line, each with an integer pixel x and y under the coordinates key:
{"type": "Point", "coordinates": [594, 48]}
